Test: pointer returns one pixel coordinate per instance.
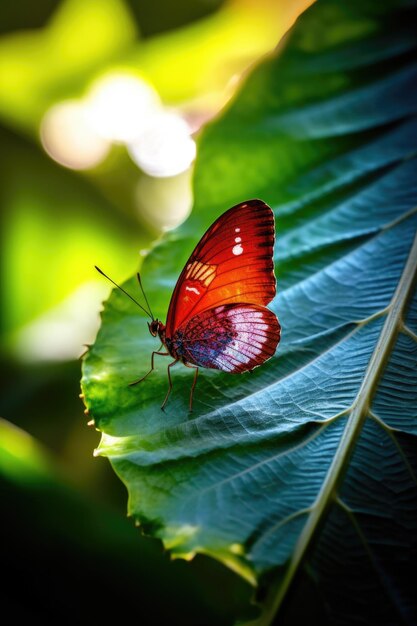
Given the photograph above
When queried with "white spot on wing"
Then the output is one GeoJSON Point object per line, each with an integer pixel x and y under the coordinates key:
{"type": "Point", "coordinates": [237, 230]}
{"type": "Point", "coordinates": [237, 249]}
{"type": "Point", "coordinates": [238, 239]}
{"type": "Point", "coordinates": [194, 289]}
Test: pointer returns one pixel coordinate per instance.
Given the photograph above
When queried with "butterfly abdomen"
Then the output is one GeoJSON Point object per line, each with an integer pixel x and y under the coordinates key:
{"type": "Point", "coordinates": [176, 346]}
{"type": "Point", "coordinates": [214, 339]}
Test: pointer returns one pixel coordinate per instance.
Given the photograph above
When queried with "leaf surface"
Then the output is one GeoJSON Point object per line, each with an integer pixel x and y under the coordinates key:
{"type": "Point", "coordinates": [306, 467]}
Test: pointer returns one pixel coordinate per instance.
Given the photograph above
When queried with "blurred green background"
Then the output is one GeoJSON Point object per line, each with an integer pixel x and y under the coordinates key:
{"type": "Point", "coordinates": [101, 103]}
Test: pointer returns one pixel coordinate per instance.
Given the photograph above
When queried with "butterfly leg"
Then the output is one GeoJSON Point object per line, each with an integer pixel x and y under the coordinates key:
{"type": "Point", "coordinates": [135, 382]}
{"type": "Point", "coordinates": [193, 367]}
{"type": "Point", "coordinates": [169, 382]}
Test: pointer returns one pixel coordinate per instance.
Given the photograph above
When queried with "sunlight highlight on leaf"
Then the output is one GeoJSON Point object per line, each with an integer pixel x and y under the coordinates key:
{"type": "Point", "coordinates": [21, 457]}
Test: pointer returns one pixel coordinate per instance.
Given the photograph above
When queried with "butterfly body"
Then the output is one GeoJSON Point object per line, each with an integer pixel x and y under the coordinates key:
{"type": "Point", "coordinates": [217, 317]}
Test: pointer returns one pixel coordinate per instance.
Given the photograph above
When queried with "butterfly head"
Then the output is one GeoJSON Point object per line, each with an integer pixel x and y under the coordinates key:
{"type": "Point", "coordinates": [156, 327]}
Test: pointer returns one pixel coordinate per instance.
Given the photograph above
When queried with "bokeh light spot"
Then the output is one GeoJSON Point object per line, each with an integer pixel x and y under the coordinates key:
{"type": "Point", "coordinates": [164, 203]}
{"type": "Point", "coordinates": [68, 138]}
{"type": "Point", "coordinates": [119, 106]}
{"type": "Point", "coordinates": [165, 147]}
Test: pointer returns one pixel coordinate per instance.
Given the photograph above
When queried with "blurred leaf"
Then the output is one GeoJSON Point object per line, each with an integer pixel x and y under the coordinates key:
{"type": "Point", "coordinates": [66, 542]}
{"type": "Point", "coordinates": [199, 61]}
{"type": "Point", "coordinates": [164, 15]}
{"type": "Point", "coordinates": [26, 14]}
{"type": "Point", "coordinates": [57, 226]}
{"type": "Point", "coordinates": [88, 37]}
{"type": "Point", "coordinates": [305, 468]}
{"type": "Point", "coordinates": [40, 67]}
{"type": "Point", "coordinates": [21, 458]}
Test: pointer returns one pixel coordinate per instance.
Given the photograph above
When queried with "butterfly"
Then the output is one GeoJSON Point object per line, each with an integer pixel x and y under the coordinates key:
{"type": "Point", "coordinates": [217, 317]}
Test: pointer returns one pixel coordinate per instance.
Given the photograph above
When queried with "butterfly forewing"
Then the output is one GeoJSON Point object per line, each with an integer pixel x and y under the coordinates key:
{"type": "Point", "coordinates": [233, 263]}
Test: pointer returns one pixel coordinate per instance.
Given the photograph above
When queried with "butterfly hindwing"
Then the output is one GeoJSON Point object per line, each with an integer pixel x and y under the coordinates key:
{"type": "Point", "coordinates": [232, 263]}
{"type": "Point", "coordinates": [234, 338]}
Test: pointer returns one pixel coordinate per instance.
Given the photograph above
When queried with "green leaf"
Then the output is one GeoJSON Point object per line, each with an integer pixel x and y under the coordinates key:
{"type": "Point", "coordinates": [304, 469]}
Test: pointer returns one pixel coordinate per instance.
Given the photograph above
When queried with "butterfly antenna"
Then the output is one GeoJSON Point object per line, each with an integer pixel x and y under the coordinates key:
{"type": "Point", "coordinates": [125, 292]}
{"type": "Point", "coordinates": [144, 294]}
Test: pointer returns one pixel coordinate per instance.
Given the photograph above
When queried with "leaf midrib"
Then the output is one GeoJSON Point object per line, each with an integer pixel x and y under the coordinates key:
{"type": "Point", "coordinates": [360, 408]}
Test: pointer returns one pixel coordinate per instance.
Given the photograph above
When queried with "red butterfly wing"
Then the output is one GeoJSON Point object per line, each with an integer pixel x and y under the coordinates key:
{"type": "Point", "coordinates": [231, 264]}
{"type": "Point", "coordinates": [234, 338]}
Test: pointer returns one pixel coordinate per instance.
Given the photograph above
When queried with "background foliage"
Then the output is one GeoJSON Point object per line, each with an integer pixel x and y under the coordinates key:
{"type": "Point", "coordinates": [63, 512]}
